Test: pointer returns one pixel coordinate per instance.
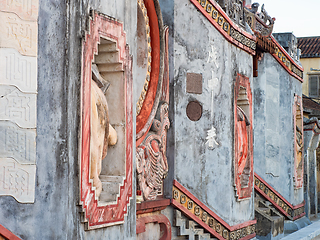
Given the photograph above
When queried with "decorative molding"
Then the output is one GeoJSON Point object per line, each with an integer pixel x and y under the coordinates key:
{"type": "Point", "coordinates": [95, 215]}
{"type": "Point", "coordinates": [197, 211]}
{"type": "Point", "coordinates": [7, 234]}
{"type": "Point", "coordinates": [152, 206]}
{"type": "Point", "coordinates": [162, 220]}
{"type": "Point", "coordinates": [149, 106]}
{"type": "Point", "coordinates": [287, 62]}
{"type": "Point", "coordinates": [219, 19]}
{"type": "Point", "coordinates": [278, 201]}
{"type": "Point", "coordinates": [243, 138]}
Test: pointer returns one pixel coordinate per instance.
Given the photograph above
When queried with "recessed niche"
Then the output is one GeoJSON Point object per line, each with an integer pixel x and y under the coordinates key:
{"type": "Point", "coordinates": [108, 67]}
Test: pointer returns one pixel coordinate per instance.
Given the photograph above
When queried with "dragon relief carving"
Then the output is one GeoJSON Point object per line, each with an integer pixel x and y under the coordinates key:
{"type": "Point", "coordinates": [151, 160]}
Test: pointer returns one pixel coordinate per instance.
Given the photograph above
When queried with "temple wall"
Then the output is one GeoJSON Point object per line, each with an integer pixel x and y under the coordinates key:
{"type": "Point", "coordinates": [55, 213]}
{"type": "Point", "coordinates": [206, 172]}
{"type": "Point", "coordinates": [274, 91]}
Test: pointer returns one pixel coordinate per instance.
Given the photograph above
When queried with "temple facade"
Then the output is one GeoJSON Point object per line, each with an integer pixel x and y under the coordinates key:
{"type": "Point", "coordinates": [151, 119]}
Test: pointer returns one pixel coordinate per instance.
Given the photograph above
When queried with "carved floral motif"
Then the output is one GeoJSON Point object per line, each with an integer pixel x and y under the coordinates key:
{"type": "Point", "coordinates": [152, 165]}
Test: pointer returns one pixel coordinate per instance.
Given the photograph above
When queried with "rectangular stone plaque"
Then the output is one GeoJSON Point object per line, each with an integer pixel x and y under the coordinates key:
{"type": "Point", "coordinates": [18, 70]}
{"type": "Point", "coordinates": [18, 34]}
{"type": "Point", "coordinates": [18, 107]}
{"type": "Point", "coordinates": [17, 180]}
{"type": "Point", "coordinates": [25, 9]}
{"type": "Point", "coordinates": [17, 143]}
{"type": "Point", "coordinates": [194, 83]}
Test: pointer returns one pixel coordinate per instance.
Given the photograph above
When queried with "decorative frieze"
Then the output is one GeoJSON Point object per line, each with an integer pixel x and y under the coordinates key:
{"type": "Point", "coordinates": [18, 70]}
{"type": "Point", "coordinates": [279, 202]}
{"type": "Point", "coordinates": [17, 180]}
{"type": "Point", "coordinates": [18, 107]}
{"type": "Point", "coordinates": [198, 212]}
{"type": "Point", "coordinates": [18, 34]}
{"type": "Point", "coordinates": [213, 12]}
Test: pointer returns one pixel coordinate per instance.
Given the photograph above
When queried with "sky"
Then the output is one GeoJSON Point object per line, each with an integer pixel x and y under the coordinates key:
{"type": "Point", "coordinates": [300, 17]}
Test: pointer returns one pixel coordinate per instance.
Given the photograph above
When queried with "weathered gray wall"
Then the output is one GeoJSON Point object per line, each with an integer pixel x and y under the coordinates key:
{"type": "Point", "coordinates": [55, 213]}
{"type": "Point", "coordinates": [274, 91]}
{"type": "Point", "coordinates": [208, 174]}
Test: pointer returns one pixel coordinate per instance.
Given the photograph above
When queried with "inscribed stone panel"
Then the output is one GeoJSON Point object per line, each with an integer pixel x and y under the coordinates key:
{"type": "Point", "coordinates": [17, 143]}
{"type": "Point", "coordinates": [19, 34]}
{"type": "Point", "coordinates": [18, 70]}
{"type": "Point", "coordinates": [17, 180]}
{"type": "Point", "coordinates": [17, 107]}
{"type": "Point", "coordinates": [25, 9]}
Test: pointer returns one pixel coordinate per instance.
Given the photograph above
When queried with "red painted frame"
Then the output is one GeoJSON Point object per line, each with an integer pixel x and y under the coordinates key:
{"type": "Point", "coordinates": [297, 101]}
{"type": "Point", "coordinates": [279, 196]}
{"type": "Point", "coordinates": [205, 226]}
{"type": "Point", "coordinates": [243, 193]}
{"type": "Point", "coordinates": [7, 234]}
{"type": "Point", "coordinates": [219, 28]}
{"type": "Point", "coordinates": [165, 225]}
{"type": "Point", "coordinates": [100, 216]}
{"type": "Point", "coordinates": [148, 110]}
{"type": "Point", "coordinates": [288, 57]}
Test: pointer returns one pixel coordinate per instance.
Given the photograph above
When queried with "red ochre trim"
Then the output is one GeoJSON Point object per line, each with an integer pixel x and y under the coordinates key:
{"type": "Point", "coordinates": [7, 234]}
{"type": "Point", "coordinates": [289, 58]}
{"type": "Point", "coordinates": [152, 206]}
{"type": "Point", "coordinates": [198, 202]}
{"type": "Point", "coordinates": [219, 28]}
{"type": "Point", "coordinates": [100, 216]}
{"type": "Point", "coordinates": [279, 196]}
{"type": "Point", "coordinates": [147, 106]}
{"type": "Point", "coordinates": [165, 225]}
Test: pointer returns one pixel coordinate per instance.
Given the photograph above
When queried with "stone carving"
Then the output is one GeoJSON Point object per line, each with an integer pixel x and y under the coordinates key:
{"type": "Point", "coordinates": [17, 143]}
{"type": "Point", "coordinates": [243, 138]}
{"type": "Point", "coordinates": [152, 165]}
{"type": "Point", "coordinates": [102, 134]}
{"type": "Point", "coordinates": [25, 9]}
{"type": "Point", "coordinates": [17, 107]}
{"type": "Point", "coordinates": [298, 146]}
{"type": "Point", "coordinates": [18, 34]}
{"type": "Point", "coordinates": [18, 70]}
{"type": "Point", "coordinates": [17, 180]}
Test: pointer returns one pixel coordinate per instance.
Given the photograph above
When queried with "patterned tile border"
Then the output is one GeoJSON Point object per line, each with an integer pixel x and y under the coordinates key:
{"type": "Point", "coordinates": [278, 201]}
{"type": "Point", "coordinates": [197, 211]}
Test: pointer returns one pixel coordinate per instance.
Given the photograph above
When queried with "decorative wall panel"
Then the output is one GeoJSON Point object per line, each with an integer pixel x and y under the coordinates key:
{"type": "Point", "coordinates": [298, 141]}
{"type": "Point", "coordinates": [243, 138]}
{"type": "Point", "coordinates": [18, 98]}
{"type": "Point", "coordinates": [105, 49]}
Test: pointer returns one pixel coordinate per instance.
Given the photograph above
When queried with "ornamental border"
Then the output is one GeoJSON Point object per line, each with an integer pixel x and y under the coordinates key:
{"type": "Point", "coordinates": [211, 222]}
{"type": "Point", "coordinates": [95, 216]}
{"type": "Point", "coordinates": [219, 19]}
{"type": "Point", "coordinates": [277, 200]}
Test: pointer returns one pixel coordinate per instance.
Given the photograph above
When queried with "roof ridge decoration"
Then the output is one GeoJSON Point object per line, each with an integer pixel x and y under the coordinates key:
{"type": "Point", "coordinates": [193, 208]}
{"type": "Point", "coordinates": [278, 201]}
{"type": "Point", "coordinates": [262, 26]}
{"type": "Point", "coordinates": [231, 31]}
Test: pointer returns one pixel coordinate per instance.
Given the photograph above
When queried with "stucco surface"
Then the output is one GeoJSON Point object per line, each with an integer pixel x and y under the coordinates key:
{"type": "Point", "coordinates": [274, 91]}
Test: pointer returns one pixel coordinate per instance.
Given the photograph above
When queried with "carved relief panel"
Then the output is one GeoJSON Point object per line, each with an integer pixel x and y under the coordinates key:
{"type": "Point", "coordinates": [243, 138]}
{"type": "Point", "coordinates": [106, 124]}
{"type": "Point", "coordinates": [153, 103]}
{"type": "Point", "coordinates": [298, 141]}
{"type": "Point", "coordinates": [18, 98]}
